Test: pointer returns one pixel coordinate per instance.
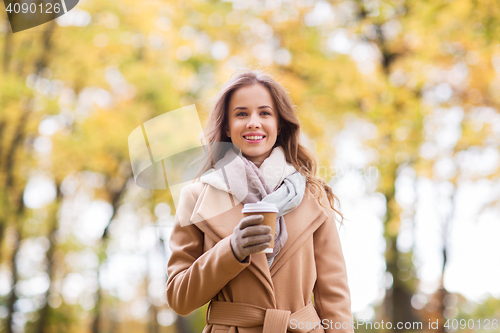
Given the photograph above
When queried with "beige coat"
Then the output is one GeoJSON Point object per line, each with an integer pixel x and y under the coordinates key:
{"type": "Point", "coordinates": [202, 267]}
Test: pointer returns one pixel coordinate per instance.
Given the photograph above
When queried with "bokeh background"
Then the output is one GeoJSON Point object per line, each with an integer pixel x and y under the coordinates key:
{"type": "Point", "coordinates": [399, 99]}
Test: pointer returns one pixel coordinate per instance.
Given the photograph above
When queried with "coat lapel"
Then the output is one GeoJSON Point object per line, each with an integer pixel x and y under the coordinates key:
{"type": "Point", "coordinates": [301, 223]}
{"type": "Point", "coordinates": [217, 213]}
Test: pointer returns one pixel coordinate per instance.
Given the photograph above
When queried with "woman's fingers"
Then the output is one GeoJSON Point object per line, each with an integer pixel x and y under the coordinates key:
{"type": "Point", "coordinates": [250, 226]}
{"type": "Point", "coordinates": [255, 240]}
{"type": "Point", "coordinates": [250, 236]}
{"type": "Point", "coordinates": [250, 220]}
{"type": "Point", "coordinates": [257, 248]}
{"type": "Point", "coordinates": [256, 230]}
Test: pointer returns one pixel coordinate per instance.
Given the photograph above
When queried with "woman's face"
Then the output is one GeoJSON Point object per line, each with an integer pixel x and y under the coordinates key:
{"type": "Point", "coordinates": [253, 122]}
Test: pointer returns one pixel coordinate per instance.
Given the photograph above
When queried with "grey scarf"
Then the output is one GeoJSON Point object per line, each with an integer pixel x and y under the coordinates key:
{"type": "Point", "coordinates": [245, 181]}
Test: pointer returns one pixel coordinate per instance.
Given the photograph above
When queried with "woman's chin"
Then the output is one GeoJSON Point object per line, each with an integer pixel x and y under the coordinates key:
{"type": "Point", "coordinates": [254, 155]}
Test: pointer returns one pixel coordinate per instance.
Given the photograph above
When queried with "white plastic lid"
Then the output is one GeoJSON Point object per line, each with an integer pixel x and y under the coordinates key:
{"type": "Point", "coordinates": [260, 207]}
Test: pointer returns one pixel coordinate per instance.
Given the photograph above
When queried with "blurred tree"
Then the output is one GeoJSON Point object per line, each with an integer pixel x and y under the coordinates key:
{"type": "Point", "coordinates": [106, 67]}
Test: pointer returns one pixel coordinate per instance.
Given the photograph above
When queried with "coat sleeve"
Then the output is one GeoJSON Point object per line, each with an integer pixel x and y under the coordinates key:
{"type": "Point", "coordinates": [331, 291]}
{"type": "Point", "coordinates": [195, 277]}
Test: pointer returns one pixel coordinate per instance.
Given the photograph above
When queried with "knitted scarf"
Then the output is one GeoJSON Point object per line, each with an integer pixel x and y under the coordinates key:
{"type": "Point", "coordinates": [275, 181]}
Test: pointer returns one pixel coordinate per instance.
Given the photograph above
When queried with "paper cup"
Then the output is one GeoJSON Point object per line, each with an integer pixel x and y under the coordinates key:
{"type": "Point", "coordinates": [269, 211]}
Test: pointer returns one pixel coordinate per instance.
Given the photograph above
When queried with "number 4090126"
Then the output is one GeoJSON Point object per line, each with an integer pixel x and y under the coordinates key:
{"type": "Point", "coordinates": [34, 8]}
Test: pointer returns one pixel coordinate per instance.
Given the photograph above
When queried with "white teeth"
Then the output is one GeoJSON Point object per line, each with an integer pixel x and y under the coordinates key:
{"type": "Point", "coordinates": [253, 137]}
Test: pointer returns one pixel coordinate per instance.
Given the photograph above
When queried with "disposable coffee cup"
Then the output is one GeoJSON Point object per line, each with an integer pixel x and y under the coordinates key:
{"type": "Point", "coordinates": [269, 211]}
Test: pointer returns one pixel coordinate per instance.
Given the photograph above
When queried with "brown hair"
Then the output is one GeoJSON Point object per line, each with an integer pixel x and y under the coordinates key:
{"type": "Point", "coordinates": [302, 158]}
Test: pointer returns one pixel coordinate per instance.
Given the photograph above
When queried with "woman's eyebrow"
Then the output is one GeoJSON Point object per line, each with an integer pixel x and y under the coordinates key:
{"type": "Point", "coordinates": [245, 108]}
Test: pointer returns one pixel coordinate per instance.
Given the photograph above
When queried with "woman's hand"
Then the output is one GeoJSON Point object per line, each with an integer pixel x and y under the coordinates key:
{"type": "Point", "coordinates": [250, 237]}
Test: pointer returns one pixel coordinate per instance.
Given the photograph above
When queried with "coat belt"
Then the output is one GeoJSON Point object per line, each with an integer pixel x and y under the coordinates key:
{"type": "Point", "coordinates": [273, 320]}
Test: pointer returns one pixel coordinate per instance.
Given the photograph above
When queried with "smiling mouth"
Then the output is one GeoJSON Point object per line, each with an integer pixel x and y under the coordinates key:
{"type": "Point", "coordinates": [254, 138]}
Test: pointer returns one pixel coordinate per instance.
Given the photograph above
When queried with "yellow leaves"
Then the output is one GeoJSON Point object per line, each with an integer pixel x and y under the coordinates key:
{"type": "Point", "coordinates": [99, 143]}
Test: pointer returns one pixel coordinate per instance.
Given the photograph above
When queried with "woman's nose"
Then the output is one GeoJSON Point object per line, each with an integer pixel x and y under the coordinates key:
{"type": "Point", "coordinates": [254, 121]}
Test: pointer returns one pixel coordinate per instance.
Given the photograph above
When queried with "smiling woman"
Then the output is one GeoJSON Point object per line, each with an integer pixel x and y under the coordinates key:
{"type": "Point", "coordinates": [217, 251]}
{"type": "Point", "coordinates": [251, 126]}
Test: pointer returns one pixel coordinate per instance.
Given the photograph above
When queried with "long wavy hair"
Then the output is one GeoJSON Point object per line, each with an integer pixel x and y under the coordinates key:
{"type": "Point", "coordinates": [302, 158]}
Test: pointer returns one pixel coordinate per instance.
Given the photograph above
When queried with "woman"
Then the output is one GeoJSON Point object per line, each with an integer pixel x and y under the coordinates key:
{"type": "Point", "coordinates": [216, 250]}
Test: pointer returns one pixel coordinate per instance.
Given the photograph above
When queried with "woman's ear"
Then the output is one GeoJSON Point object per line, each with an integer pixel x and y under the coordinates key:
{"type": "Point", "coordinates": [228, 133]}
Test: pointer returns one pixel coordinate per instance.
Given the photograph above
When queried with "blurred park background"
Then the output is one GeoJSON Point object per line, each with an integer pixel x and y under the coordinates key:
{"type": "Point", "coordinates": [399, 99]}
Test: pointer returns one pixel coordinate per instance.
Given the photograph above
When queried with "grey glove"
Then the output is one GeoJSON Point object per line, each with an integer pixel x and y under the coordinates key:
{"type": "Point", "coordinates": [249, 237]}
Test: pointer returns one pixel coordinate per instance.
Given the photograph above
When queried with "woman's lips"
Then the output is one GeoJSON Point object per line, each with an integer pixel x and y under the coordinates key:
{"type": "Point", "coordinates": [254, 141]}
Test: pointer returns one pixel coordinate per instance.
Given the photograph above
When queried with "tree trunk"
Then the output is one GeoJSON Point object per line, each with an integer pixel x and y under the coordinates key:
{"type": "Point", "coordinates": [49, 257]}
{"type": "Point", "coordinates": [116, 197]}
{"type": "Point", "coordinates": [398, 298]}
{"type": "Point", "coordinates": [12, 298]}
{"type": "Point", "coordinates": [182, 325]}
{"type": "Point", "coordinates": [7, 51]}
{"type": "Point", "coordinates": [442, 292]}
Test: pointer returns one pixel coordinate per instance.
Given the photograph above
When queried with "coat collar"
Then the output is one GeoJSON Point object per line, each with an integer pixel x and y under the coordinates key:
{"type": "Point", "coordinates": [274, 169]}
{"type": "Point", "coordinates": [218, 213]}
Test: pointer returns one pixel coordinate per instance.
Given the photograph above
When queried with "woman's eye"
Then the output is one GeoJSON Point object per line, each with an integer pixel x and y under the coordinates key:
{"type": "Point", "coordinates": [262, 113]}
